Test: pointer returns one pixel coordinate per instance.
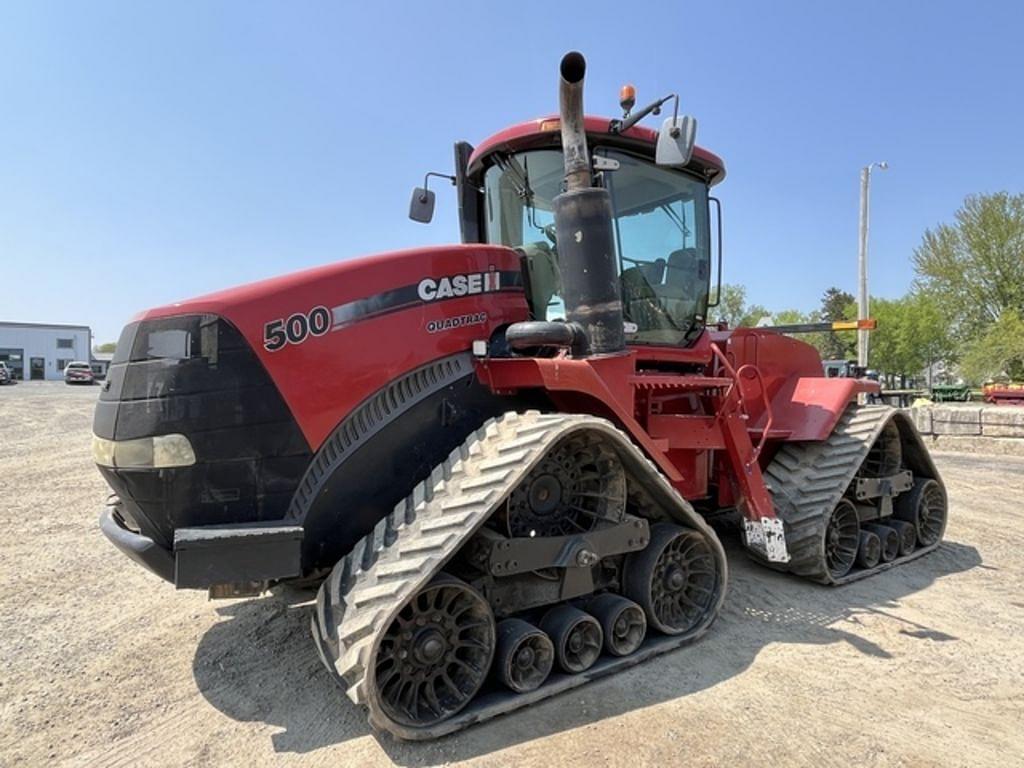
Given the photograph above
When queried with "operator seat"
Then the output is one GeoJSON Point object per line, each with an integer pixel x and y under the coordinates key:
{"type": "Point", "coordinates": [653, 272]}
{"type": "Point", "coordinates": [684, 275]}
{"type": "Point", "coordinates": [641, 302]}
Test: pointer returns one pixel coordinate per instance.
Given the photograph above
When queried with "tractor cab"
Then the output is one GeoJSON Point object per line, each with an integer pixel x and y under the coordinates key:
{"type": "Point", "coordinates": [661, 220]}
{"type": "Point", "coordinates": [660, 217]}
{"type": "Point", "coordinates": [661, 227]}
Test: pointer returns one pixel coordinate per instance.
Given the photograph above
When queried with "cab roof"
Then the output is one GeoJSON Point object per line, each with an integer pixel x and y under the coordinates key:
{"type": "Point", "coordinates": [546, 132]}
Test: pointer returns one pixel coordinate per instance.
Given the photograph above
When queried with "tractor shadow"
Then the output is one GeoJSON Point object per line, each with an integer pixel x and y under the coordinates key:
{"type": "Point", "coordinates": [261, 665]}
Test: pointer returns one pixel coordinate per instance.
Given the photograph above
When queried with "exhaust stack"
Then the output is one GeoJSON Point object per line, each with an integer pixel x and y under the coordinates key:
{"type": "Point", "coordinates": [586, 246]}
{"type": "Point", "coordinates": [570, 109]}
{"type": "Point", "coordinates": [583, 224]}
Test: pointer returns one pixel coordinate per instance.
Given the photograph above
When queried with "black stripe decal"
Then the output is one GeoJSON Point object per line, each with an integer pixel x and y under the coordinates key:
{"type": "Point", "coordinates": [408, 296]}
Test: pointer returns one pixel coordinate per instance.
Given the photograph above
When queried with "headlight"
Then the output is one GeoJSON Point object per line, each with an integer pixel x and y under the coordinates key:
{"type": "Point", "coordinates": [159, 452]}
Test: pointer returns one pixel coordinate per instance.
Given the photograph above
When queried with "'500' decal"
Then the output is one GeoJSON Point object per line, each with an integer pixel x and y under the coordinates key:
{"type": "Point", "coordinates": [296, 329]}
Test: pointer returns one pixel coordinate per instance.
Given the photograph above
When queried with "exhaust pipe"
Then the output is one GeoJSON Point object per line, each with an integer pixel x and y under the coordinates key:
{"type": "Point", "coordinates": [586, 244]}
{"type": "Point", "coordinates": [583, 227]}
{"type": "Point", "coordinates": [570, 108]}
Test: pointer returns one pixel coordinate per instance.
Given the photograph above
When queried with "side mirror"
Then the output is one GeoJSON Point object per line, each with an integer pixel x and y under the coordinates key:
{"type": "Point", "coordinates": [675, 141]}
{"type": "Point", "coordinates": [421, 207]}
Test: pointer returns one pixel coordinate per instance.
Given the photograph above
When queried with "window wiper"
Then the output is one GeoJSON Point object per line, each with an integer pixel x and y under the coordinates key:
{"type": "Point", "coordinates": [676, 219]}
{"type": "Point", "coordinates": [517, 176]}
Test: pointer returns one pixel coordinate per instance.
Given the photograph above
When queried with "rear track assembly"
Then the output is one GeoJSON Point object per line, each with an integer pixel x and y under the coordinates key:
{"type": "Point", "coordinates": [817, 486]}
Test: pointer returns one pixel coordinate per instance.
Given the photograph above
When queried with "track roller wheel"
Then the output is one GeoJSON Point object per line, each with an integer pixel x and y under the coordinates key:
{"type": "Point", "coordinates": [924, 506]}
{"type": "Point", "coordinates": [622, 621]}
{"type": "Point", "coordinates": [576, 635]}
{"type": "Point", "coordinates": [842, 537]}
{"type": "Point", "coordinates": [435, 654]}
{"type": "Point", "coordinates": [889, 540]}
{"type": "Point", "coordinates": [870, 550]}
{"type": "Point", "coordinates": [673, 578]}
{"type": "Point", "coordinates": [907, 534]}
{"type": "Point", "coordinates": [524, 657]}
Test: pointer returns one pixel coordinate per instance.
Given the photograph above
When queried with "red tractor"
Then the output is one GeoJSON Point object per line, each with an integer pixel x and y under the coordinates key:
{"type": "Point", "coordinates": [497, 458]}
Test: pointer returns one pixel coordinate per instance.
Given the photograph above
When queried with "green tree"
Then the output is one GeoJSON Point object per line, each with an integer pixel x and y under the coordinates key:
{"type": "Point", "coordinates": [733, 308]}
{"type": "Point", "coordinates": [886, 349]}
{"type": "Point", "coordinates": [911, 336]}
{"type": "Point", "coordinates": [109, 346]}
{"type": "Point", "coordinates": [975, 267]}
{"type": "Point", "coordinates": [927, 331]}
{"type": "Point", "coordinates": [998, 351]}
{"type": "Point", "coordinates": [789, 317]}
{"type": "Point", "coordinates": [838, 305]}
{"type": "Point", "coordinates": [973, 270]}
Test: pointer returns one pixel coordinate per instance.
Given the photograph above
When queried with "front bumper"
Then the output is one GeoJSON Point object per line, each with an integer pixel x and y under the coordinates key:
{"type": "Point", "coordinates": [212, 555]}
{"type": "Point", "coordinates": [142, 549]}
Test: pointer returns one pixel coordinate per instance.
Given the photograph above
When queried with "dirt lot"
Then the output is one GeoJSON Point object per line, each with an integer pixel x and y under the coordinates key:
{"type": "Point", "coordinates": [104, 664]}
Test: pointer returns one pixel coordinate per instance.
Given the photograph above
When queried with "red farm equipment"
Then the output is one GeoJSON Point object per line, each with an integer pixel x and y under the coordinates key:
{"type": "Point", "coordinates": [497, 459]}
{"type": "Point", "coordinates": [1004, 393]}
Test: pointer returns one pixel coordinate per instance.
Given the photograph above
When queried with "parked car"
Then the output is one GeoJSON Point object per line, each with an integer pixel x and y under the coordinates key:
{"type": "Point", "coordinates": [78, 373]}
{"type": "Point", "coordinates": [5, 375]}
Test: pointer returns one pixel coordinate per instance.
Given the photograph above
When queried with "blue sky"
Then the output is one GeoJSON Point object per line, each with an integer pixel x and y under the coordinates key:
{"type": "Point", "coordinates": [150, 152]}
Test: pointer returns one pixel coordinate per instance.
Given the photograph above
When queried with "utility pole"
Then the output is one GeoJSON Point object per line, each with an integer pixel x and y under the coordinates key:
{"type": "Point", "coordinates": [862, 259]}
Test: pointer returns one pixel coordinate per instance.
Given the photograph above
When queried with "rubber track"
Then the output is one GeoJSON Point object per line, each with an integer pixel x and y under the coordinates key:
{"type": "Point", "coordinates": [364, 592]}
{"type": "Point", "coordinates": [807, 480]}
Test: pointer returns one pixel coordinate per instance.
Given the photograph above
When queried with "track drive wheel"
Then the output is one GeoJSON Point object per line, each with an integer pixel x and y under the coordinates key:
{"type": "Point", "coordinates": [622, 621]}
{"type": "Point", "coordinates": [925, 507]}
{"type": "Point", "coordinates": [842, 537]}
{"type": "Point", "coordinates": [524, 657]}
{"type": "Point", "coordinates": [576, 635]}
{"type": "Point", "coordinates": [673, 579]}
{"type": "Point", "coordinates": [435, 654]}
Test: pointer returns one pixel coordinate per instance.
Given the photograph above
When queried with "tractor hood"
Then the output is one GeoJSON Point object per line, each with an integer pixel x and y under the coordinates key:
{"type": "Point", "coordinates": [330, 336]}
{"type": "Point", "coordinates": [228, 409]}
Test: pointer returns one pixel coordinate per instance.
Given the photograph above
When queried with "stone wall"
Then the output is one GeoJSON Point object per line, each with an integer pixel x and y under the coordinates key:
{"type": "Point", "coordinates": [997, 429]}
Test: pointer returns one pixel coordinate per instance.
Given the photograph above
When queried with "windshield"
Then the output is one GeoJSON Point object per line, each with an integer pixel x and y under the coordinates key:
{"type": "Point", "coordinates": [661, 238]}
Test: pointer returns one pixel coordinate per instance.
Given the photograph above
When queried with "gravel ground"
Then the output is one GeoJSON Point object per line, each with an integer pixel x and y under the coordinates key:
{"type": "Point", "coordinates": [104, 664]}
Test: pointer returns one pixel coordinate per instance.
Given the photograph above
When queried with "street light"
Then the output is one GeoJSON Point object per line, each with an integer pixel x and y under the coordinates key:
{"type": "Point", "coordinates": [862, 260]}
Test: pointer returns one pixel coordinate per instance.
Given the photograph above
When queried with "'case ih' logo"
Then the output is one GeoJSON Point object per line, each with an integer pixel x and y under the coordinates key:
{"type": "Point", "coordinates": [454, 286]}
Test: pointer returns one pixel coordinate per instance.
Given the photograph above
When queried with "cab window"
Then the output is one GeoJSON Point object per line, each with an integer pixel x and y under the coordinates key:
{"type": "Point", "coordinates": [661, 238]}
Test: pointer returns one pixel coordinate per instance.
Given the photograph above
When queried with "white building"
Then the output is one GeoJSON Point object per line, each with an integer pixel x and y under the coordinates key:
{"type": "Point", "coordinates": [40, 351]}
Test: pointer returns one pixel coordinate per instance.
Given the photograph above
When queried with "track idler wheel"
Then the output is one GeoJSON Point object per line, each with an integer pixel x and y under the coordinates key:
{"type": "Point", "coordinates": [924, 506]}
{"type": "Point", "coordinates": [524, 657]}
{"type": "Point", "coordinates": [622, 621]}
{"type": "Point", "coordinates": [435, 654]}
{"type": "Point", "coordinates": [576, 635]}
{"type": "Point", "coordinates": [907, 534]}
{"type": "Point", "coordinates": [870, 550]}
{"type": "Point", "coordinates": [673, 579]}
{"type": "Point", "coordinates": [842, 538]}
{"type": "Point", "coordinates": [576, 486]}
{"type": "Point", "coordinates": [885, 456]}
{"type": "Point", "coordinates": [889, 540]}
